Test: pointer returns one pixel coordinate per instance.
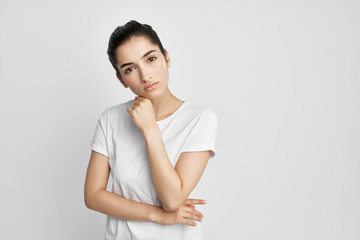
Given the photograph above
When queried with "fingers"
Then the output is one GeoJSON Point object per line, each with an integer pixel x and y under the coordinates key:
{"type": "Point", "coordinates": [194, 211]}
{"type": "Point", "coordinates": [192, 201]}
{"type": "Point", "coordinates": [193, 216]}
{"type": "Point", "coordinates": [189, 205]}
{"type": "Point", "coordinates": [129, 109]}
{"type": "Point", "coordinates": [188, 222]}
{"type": "Point", "coordinates": [139, 100]}
{"type": "Point", "coordinates": [136, 102]}
{"type": "Point", "coordinates": [189, 211]}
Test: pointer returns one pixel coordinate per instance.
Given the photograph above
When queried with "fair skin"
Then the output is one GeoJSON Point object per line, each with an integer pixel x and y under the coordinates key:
{"type": "Point", "coordinates": [173, 185]}
{"type": "Point", "coordinates": [101, 200]}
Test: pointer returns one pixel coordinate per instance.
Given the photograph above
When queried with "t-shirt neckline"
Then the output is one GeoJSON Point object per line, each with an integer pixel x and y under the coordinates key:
{"type": "Point", "coordinates": [173, 114]}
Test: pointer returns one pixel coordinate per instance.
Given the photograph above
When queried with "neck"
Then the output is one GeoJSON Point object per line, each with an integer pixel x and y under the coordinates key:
{"type": "Point", "coordinates": [165, 106]}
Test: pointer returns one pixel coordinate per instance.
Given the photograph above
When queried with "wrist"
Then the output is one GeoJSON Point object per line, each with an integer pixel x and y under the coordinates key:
{"type": "Point", "coordinates": [151, 130]}
{"type": "Point", "coordinates": [156, 216]}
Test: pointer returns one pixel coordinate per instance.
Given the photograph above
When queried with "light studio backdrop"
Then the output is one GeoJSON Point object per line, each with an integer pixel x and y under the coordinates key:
{"type": "Point", "coordinates": [282, 76]}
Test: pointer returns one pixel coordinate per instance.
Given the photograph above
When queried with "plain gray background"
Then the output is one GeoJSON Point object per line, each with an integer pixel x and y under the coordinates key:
{"type": "Point", "coordinates": [282, 76]}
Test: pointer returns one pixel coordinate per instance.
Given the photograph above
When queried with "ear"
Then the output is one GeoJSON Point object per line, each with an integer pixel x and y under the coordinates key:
{"type": "Point", "coordinates": [122, 82]}
{"type": "Point", "coordinates": [167, 57]}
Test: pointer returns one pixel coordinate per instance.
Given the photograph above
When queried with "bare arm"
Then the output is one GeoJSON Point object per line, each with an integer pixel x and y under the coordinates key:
{"type": "Point", "coordinates": [173, 185]}
{"type": "Point", "coordinates": [99, 199]}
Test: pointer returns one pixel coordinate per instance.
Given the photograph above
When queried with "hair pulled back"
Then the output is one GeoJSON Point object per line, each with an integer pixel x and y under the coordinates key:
{"type": "Point", "coordinates": [123, 33]}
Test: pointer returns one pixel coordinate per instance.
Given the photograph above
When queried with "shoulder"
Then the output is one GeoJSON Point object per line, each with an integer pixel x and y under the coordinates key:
{"type": "Point", "coordinates": [198, 112]}
{"type": "Point", "coordinates": [116, 111]}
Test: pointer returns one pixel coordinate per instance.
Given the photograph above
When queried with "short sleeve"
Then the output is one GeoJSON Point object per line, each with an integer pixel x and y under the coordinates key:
{"type": "Point", "coordinates": [203, 135]}
{"type": "Point", "coordinates": [98, 143]}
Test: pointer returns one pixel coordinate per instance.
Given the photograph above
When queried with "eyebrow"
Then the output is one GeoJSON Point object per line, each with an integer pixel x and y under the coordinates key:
{"type": "Point", "coordinates": [125, 64]}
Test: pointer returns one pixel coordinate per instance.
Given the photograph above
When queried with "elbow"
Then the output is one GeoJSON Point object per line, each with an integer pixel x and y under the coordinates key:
{"type": "Point", "coordinates": [171, 206]}
{"type": "Point", "coordinates": [173, 202]}
{"type": "Point", "coordinates": [168, 208]}
{"type": "Point", "coordinates": [88, 200]}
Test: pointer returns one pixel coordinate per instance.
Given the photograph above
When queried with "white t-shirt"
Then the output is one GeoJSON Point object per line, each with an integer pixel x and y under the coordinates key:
{"type": "Point", "coordinates": [190, 128]}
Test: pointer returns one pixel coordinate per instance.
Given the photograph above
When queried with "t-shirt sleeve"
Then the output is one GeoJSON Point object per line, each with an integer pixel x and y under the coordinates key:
{"type": "Point", "coordinates": [203, 135]}
{"type": "Point", "coordinates": [98, 143]}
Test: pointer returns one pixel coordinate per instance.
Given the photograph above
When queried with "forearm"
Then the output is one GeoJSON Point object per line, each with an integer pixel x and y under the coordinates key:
{"type": "Point", "coordinates": [166, 180]}
{"type": "Point", "coordinates": [113, 205]}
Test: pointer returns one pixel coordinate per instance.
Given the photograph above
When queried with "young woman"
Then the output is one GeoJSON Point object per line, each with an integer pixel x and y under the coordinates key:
{"type": "Point", "coordinates": [155, 146]}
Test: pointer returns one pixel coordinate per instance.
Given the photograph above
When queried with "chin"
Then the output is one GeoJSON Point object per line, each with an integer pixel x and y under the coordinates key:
{"type": "Point", "coordinates": [154, 94]}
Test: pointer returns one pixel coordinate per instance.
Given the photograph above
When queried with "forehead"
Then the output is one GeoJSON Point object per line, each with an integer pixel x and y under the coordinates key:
{"type": "Point", "coordinates": [133, 49]}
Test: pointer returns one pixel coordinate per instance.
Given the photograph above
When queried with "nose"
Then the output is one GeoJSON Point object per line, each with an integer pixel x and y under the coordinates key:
{"type": "Point", "coordinates": [145, 74]}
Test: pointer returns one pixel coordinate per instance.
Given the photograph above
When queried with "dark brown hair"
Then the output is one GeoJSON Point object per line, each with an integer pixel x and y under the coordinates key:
{"type": "Point", "coordinates": [123, 33]}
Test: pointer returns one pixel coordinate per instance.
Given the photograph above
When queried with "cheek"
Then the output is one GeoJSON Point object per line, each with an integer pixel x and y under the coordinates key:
{"type": "Point", "coordinates": [158, 65]}
{"type": "Point", "coordinates": [161, 66]}
{"type": "Point", "coordinates": [132, 82]}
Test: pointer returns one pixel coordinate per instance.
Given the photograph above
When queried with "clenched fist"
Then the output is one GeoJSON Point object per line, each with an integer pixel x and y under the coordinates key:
{"type": "Point", "coordinates": [142, 113]}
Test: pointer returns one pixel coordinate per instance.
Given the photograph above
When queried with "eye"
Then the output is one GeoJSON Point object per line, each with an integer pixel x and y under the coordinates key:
{"type": "Point", "coordinates": [152, 58]}
{"type": "Point", "coordinates": [126, 71]}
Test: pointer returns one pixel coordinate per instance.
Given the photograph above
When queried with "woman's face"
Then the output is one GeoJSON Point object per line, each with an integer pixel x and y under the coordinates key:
{"type": "Point", "coordinates": [141, 64]}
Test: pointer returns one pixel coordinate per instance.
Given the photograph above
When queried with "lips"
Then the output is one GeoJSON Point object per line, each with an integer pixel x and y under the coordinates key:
{"type": "Point", "coordinates": [150, 85]}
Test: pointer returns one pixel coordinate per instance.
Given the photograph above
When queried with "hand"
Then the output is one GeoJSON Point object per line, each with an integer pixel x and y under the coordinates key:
{"type": "Point", "coordinates": [142, 113]}
{"type": "Point", "coordinates": [187, 210]}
